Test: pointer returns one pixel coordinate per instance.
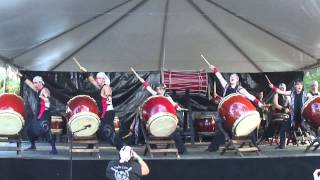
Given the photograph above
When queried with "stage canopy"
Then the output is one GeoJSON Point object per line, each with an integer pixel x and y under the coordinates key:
{"type": "Point", "coordinates": [152, 35]}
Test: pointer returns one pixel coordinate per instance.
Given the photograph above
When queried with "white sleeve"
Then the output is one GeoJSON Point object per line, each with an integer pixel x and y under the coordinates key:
{"type": "Point", "coordinates": [153, 92]}
{"type": "Point", "coordinates": [222, 81]}
{"type": "Point", "coordinates": [249, 96]}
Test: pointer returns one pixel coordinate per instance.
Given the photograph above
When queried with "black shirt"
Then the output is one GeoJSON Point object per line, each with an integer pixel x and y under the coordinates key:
{"type": "Point", "coordinates": [297, 106]}
{"type": "Point", "coordinates": [123, 171]}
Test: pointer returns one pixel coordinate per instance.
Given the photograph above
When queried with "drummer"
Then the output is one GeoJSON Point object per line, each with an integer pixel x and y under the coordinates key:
{"type": "Point", "coordinates": [106, 130]}
{"type": "Point", "coordinates": [281, 104]}
{"type": "Point", "coordinates": [314, 89]}
{"type": "Point", "coordinates": [229, 88]}
{"type": "Point", "coordinates": [161, 90]}
{"type": "Point", "coordinates": [40, 125]}
{"type": "Point", "coordinates": [298, 97]}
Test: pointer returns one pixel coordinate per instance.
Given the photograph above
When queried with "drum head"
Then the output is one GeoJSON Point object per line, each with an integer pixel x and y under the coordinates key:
{"type": "Point", "coordinates": [80, 120]}
{"type": "Point", "coordinates": [246, 124]}
{"type": "Point", "coordinates": [11, 122]}
{"type": "Point", "coordinates": [162, 124]}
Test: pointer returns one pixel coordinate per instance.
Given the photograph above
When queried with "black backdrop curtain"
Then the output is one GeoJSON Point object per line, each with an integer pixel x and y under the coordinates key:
{"type": "Point", "coordinates": [128, 92]}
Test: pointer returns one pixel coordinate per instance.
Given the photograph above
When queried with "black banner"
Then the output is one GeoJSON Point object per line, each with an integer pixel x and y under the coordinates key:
{"type": "Point", "coordinates": [128, 92]}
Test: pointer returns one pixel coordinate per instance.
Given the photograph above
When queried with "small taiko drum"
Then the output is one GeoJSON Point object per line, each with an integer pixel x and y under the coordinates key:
{"type": "Point", "coordinates": [11, 114]}
{"type": "Point", "coordinates": [82, 115]}
{"type": "Point", "coordinates": [116, 123]}
{"type": "Point", "coordinates": [205, 124]}
{"type": "Point", "coordinates": [160, 116]}
{"type": "Point", "coordinates": [239, 114]}
{"type": "Point", "coordinates": [311, 111]}
{"type": "Point", "coordinates": [56, 124]}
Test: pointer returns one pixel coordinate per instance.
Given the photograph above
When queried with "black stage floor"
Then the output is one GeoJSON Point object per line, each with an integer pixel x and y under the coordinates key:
{"type": "Point", "coordinates": [291, 163]}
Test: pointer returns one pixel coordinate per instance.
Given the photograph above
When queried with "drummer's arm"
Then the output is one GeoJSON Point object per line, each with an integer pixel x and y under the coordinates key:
{"type": "Point", "coordinates": [93, 82]}
{"type": "Point", "coordinates": [251, 97]}
{"type": "Point", "coordinates": [107, 93]}
{"type": "Point", "coordinates": [176, 105]}
{"type": "Point", "coordinates": [216, 71]}
{"type": "Point", "coordinates": [148, 87]}
{"type": "Point", "coordinates": [27, 81]}
{"type": "Point", "coordinates": [309, 95]}
{"type": "Point", "coordinates": [45, 94]}
{"type": "Point", "coordinates": [275, 89]}
{"type": "Point", "coordinates": [276, 103]}
{"type": "Point", "coordinates": [90, 78]}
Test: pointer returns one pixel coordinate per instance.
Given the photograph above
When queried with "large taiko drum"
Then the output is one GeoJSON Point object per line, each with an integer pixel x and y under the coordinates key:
{"type": "Point", "coordinates": [205, 124]}
{"type": "Point", "coordinates": [11, 114]}
{"type": "Point", "coordinates": [311, 111]}
{"type": "Point", "coordinates": [239, 113]}
{"type": "Point", "coordinates": [160, 116]}
{"type": "Point", "coordinates": [82, 116]}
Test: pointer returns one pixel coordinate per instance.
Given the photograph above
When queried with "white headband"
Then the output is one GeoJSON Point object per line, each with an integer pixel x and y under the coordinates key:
{"type": "Point", "coordinates": [125, 154]}
{"type": "Point", "coordinates": [38, 79]}
{"type": "Point", "coordinates": [105, 77]}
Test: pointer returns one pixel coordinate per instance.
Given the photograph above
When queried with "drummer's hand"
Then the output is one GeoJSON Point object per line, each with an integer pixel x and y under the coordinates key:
{"type": "Point", "coordinates": [287, 110]}
{"type": "Point", "coordinates": [212, 67]}
{"type": "Point", "coordinates": [83, 69]}
{"type": "Point", "coordinates": [19, 74]}
{"type": "Point", "coordinates": [179, 108]}
{"type": "Point", "coordinates": [271, 85]}
{"type": "Point", "coordinates": [135, 155]}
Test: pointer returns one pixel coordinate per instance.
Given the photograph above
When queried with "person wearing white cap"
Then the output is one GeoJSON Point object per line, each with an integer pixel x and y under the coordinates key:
{"type": "Point", "coordinates": [106, 130]}
{"type": "Point", "coordinates": [314, 89]}
{"type": "Point", "coordinates": [40, 125]}
{"type": "Point", "coordinates": [130, 166]}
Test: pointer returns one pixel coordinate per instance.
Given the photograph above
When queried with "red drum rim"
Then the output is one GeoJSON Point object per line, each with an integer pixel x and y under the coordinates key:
{"type": "Point", "coordinates": [226, 98]}
{"type": "Point", "coordinates": [14, 95]}
{"type": "Point", "coordinates": [81, 97]}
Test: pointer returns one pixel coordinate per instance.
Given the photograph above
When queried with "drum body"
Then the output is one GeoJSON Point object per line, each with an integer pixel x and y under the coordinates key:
{"type": "Point", "coordinates": [116, 123]}
{"type": "Point", "coordinates": [159, 115]}
{"type": "Point", "coordinates": [56, 124]}
{"type": "Point", "coordinates": [205, 124]}
{"type": "Point", "coordinates": [239, 114]}
{"type": "Point", "coordinates": [11, 114]}
{"type": "Point", "coordinates": [311, 111]}
{"type": "Point", "coordinates": [82, 111]}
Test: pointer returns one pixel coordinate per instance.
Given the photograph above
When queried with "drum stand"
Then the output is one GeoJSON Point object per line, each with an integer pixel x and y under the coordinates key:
{"type": "Point", "coordinates": [238, 144]}
{"type": "Point", "coordinates": [11, 139]}
{"type": "Point", "coordinates": [73, 141]}
{"type": "Point", "coordinates": [83, 142]}
{"type": "Point", "coordinates": [315, 142]}
{"type": "Point", "coordinates": [163, 144]}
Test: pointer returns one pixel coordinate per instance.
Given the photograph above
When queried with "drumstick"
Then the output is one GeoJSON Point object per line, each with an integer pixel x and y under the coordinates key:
{"type": "Point", "coordinates": [205, 60]}
{"type": "Point", "coordinates": [268, 79]}
{"type": "Point", "coordinates": [135, 73]}
{"type": "Point", "coordinates": [76, 61]}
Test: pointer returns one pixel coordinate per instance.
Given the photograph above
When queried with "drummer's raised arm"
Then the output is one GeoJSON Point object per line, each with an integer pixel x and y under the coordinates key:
{"type": "Point", "coordinates": [27, 81]}
{"type": "Point", "coordinates": [90, 78]}
{"type": "Point", "coordinates": [250, 97]}
{"type": "Point", "coordinates": [275, 89]}
{"type": "Point", "coordinates": [216, 71]}
{"type": "Point", "coordinates": [148, 87]}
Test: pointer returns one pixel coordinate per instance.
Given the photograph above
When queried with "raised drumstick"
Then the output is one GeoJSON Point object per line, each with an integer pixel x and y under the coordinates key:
{"type": "Point", "coordinates": [205, 60]}
{"type": "Point", "coordinates": [76, 61]}
{"type": "Point", "coordinates": [268, 79]}
{"type": "Point", "coordinates": [135, 73]}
